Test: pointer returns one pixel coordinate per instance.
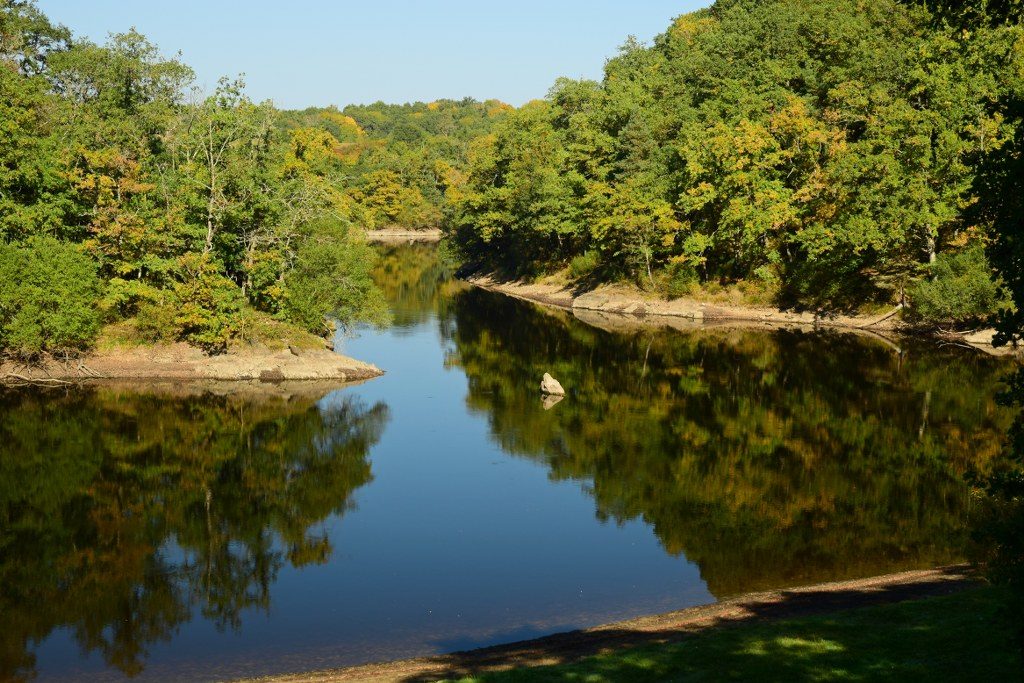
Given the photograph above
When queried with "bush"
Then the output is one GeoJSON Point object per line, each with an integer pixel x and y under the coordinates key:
{"type": "Point", "coordinates": [678, 280]}
{"type": "Point", "coordinates": [961, 289]}
{"type": "Point", "coordinates": [585, 264]}
{"type": "Point", "coordinates": [49, 293]}
{"type": "Point", "coordinates": [204, 308]}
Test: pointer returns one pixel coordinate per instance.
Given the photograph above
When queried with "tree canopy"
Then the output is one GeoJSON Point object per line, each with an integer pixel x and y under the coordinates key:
{"type": "Point", "coordinates": [405, 163]}
{"type": "Point", "coordinates": [829, 152]}
{"type": "Point", "coordinates": [189, 214]}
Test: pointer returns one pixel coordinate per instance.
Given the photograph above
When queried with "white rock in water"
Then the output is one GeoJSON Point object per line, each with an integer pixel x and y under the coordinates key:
{"type": "Point", "coordinates": [549, 385]}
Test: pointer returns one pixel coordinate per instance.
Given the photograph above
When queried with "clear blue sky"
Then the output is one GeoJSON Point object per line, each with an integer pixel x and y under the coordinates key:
{"type": "Point", "coordinates": [316, 52]}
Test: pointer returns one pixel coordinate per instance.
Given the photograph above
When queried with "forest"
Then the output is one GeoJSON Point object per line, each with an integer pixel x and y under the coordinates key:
{"type": "Point", "coordinates": [821, 155]}
{"type": "Point", "coordinates": [403, 162]}
{"type": "Point", "coordinates": [135, 206]}
{"type": "Point", "coordinates": [832, 156]}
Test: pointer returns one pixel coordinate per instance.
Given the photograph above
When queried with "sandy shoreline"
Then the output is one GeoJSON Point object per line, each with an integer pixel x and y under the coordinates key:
{"type": "Point", "coordinates": [182, 362]}
{"type": "Point", "coordinates": [662, 628]}
{"type": "Point", "coordinates": [621, 308]}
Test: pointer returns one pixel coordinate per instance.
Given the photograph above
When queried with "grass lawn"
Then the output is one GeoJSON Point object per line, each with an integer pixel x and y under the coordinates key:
{"type": "Point", "coordinates": [961, 637]}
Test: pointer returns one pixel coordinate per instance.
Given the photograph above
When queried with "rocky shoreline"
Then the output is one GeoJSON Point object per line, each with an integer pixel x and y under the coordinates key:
{"type": "Point", "coordinates": [620, 307]}
{"type": "Point", "coordinates": [186, 363]}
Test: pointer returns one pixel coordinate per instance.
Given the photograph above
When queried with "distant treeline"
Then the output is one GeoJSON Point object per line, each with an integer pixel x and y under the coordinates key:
{"type": "Point", "coordinates": [402, 160]}
{"type": "Point", "coordinates": [826, 154]}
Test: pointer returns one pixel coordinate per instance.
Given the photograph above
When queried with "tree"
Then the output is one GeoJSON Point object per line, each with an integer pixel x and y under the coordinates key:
{"type": "Point", "coordinates": [827, 151]}
{"type": "Point", "coordinates": [330, 281]}
{"type": "Point", "coordinates": [49, 301]}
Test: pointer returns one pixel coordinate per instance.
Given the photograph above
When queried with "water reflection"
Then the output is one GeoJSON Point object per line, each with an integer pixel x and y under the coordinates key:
{"type": "Point", "coordinates": [768, 458]}
{"type": "Point", "coordinates": [416, 281]}
{"type": "Point", "coordinates": [122, 515]}
{"type": "Point", "coordinates": [135, 525]}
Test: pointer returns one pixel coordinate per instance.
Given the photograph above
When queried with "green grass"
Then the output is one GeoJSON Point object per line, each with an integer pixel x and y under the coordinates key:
{"type": "Point", "coordinates": [962, 637]}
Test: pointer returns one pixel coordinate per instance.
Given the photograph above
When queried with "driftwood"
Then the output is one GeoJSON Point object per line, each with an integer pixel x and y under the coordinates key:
{"type": "Point", "coordinates": [40, 373]}
{"type": "Point", "coordinates": [25, 379]}
{"type": "Point", "coordinates": [883, 318]}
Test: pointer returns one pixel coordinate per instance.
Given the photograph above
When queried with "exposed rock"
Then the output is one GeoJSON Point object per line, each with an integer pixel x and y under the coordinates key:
{"type": "Point", "coordinates": [272, 375]}
{"type": "Point", "coordinates": [182, 362]}
{"type": "Point", "coordinates": [550, 386]}
{"type": "Point", "coordinates": [396, 234]}
{"type": "Point", "coordinates": [294, 349]}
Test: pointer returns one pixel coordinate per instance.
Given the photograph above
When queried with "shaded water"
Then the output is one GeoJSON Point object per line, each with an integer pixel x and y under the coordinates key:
{"type": "Point", "coordinates": [182, 534]}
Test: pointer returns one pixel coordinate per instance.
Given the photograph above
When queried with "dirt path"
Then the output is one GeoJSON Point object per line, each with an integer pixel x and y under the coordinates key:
{"type": "Point", "coordinates": [621, 307]}
{"type": "Point", "coordinates": [663, 628]}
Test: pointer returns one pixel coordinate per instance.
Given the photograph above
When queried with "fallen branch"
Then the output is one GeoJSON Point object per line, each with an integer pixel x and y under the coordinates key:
{"type": "Point", "coordinates": [89, 372]}
{"type": "Point", "coordinates": [962, 345]}
{"type": "Point", "coordinates": [884, 317]}
{"type": "Point", "coordinates": [33, 380]}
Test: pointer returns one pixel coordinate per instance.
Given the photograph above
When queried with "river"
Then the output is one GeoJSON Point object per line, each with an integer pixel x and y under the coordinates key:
{"type": "Point", "coordinates": [201, 535]}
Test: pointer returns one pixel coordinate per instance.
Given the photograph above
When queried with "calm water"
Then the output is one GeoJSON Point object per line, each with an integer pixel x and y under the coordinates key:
{"type": "Point", "coordinates": [443, 506]}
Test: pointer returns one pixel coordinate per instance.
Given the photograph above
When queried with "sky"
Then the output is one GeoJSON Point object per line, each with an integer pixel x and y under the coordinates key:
{"type": "Point", "coordinates": [302, 53]}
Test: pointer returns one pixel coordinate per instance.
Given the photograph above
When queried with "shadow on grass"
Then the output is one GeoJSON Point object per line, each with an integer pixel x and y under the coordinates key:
{"type": "Point", "coordinates": [875, 633]}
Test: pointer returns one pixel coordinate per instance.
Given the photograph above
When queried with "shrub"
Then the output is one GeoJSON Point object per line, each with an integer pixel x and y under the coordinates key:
{"type": "Point", "coordinates": [49, 293]}
{"type": "Point", "coordinates": [585, 264]}
{"type": "Point", "coordinates": [203, 308]}
{"type": "Point", "coordinates": [961, 289]}
{"type": "Point", "coordinates": [678, 280]}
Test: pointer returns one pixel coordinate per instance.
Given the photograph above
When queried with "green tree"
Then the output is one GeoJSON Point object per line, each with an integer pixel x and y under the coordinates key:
{"type": "Point", "coordinates": [828, 151]}
{"type": "Point", "coordinates": [196, 212]}
{"type": "Point", "coordinates": [331, 281]}
{"type": "Point", "coordinates": [49, 299]}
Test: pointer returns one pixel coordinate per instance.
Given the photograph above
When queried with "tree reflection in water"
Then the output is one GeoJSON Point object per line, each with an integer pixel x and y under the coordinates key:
{"type": "Point", "coordinates": [121, 514]}
{"type": "Point", "coordinates": [767, 458]}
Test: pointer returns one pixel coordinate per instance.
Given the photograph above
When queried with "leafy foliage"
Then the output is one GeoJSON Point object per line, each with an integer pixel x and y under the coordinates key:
{"type": "Point", "coordinates": [1000, 187]}
{"type": "Point", "coordinates": [828, 151]}
{"type": "Point", "coordinates": [961, 289]}
{"type": "Point", "coordinates": [203, 308]}
{"type": "Point", "coordinates": [198, 213]}
{"type": "Point", "coordinates": [49, 298]}
{"type": "Point", "coordinates": [327, 281]}
{"type": "Point", "coordinates": [404, 164]}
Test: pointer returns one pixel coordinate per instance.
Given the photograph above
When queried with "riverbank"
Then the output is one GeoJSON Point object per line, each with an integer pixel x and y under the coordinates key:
{"type": "Point", "coordinates": [403, 235]}
{"type": "Point", "coordinates": [619, 307]}
{"type": "Point", "coordinates": [966, 636]}
{"type": "Point", "coordinates": [187, 363]}
{"type": "Point", "coordinates": [659, 630]}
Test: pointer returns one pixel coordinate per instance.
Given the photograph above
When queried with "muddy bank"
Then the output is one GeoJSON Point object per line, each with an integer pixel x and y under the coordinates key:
{"type": "Point", "coordinates": [182, 362]}
{"type": "Point", "coordinates": [611, 307]}
{"type": "Point", "coordinates": [663, 628]}
{"type": "Point", "coordinates": [403, 235]}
